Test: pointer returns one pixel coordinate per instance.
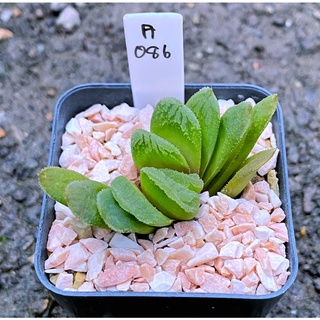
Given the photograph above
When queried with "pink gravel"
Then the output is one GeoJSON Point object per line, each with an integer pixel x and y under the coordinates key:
{"type": "Point", "coordinates": [232, 245]}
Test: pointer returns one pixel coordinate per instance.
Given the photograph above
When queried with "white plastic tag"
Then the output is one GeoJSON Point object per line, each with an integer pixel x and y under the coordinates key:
{"type": "Point", "coordinates": [155, 55]}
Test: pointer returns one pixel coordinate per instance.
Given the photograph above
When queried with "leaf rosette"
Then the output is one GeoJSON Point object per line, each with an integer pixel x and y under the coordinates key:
{"type": "Point", "coordinates": [189, 149]}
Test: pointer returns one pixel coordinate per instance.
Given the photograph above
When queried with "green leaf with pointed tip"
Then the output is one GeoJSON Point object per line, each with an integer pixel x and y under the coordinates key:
{"type": "Point", "coordinates": [118, 219]}
{"type": "Point", "coordinates": [176, 123]}
{"type": "Point", "coordinates": [205, 106]}
{"type": "Point", "coordinates": [247, 171]}
{"type": "Point", "coordinates": [82, 201]}
{"type": "Point", "coordinates": [53, 180]}
{"type": "Point", "coordinates": [191, 181]}
{"type": "Point", "coordinates": [172, 198]}
{"type": "Point", "coordinates": [233, 129]}
{"type": "Point", "coordinates": [132, 200]}
{"type": "Point", "coordinates": [261, 116]}
{"type": "Point", "coordinates": [148, 149]}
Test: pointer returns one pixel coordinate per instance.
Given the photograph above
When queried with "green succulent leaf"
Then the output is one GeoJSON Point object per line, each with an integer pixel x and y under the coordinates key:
{"type": "Point", "coordinates": [205, 106]}
{"type": "Point", "coordinates": [233, 129]}
{"type": "Point", "coordinates": [148, 149]}
{"type": "Point", "coordinates": [170, 197]}
{"type": "Point", "coordinates": [82, 201]}
{"type": "Point", "coordinates": [118, 219]}
{"type": "Point", "coordinates": [247, 171]}
{"type": "Point", "coordinates": [176, 123]}
{"type": "Point", "coordinates": [191, 181]}
{"type": "Point", "coordinates": [132, 200]}
{"type": "Point", "coordinates": [53, 180]}
{"type": "Point", "coordinates": [261, 116]}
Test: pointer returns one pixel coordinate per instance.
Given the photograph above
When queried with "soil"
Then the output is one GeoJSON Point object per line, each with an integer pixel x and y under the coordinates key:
{"type": "Point", "coordinates": [272, 45]}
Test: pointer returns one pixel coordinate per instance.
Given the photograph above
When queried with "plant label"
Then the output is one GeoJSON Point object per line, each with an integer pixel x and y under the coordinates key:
{"type": "Point", "coordinates": [154, 44]}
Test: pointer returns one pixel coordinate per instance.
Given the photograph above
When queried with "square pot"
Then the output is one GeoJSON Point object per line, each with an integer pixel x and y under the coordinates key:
{"type": "Point", "coordinates": [159, 304]}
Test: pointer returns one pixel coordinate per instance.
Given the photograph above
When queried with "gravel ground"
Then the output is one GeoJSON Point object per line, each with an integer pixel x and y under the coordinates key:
{"type": "Point", "coordinates": [275, 46]}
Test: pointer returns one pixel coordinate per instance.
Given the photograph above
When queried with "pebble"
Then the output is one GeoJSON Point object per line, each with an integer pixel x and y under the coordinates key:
{"type": "Point", "coordinates": [39, 13]}
{"type": "Point", "coordinates": [57, 6]}
{"type": "Point", "coordinates": [20, 194]}
{"type": "Point", "coordinates": [196, 19]}
{"type": "Point", "coordinates": [308, 204]}
{"type": "Point", "coordinates": [40, 306]}
{"type": "Point", "coordinates": [51, 92]}
{"type": "Point", "coordinates": [5, 34]}
{"type": "Point", "coordinates": [2, 133]}
{"type": "Point", "coordinates": [69, 19]}
{"type": "Point", "coordinates": [162, 281]}
{"type": "Point", "coordinates": [6, 15]}
{"type": "Point", "coordinates": [28, 241]}
{"type": "Point", "coordinates": [194, 66]}
{"type": "Point", "coordinates": [303, 231]}
{"type": "Point", "coordinates": [316, 14]}
{"type": "Point", "coordinates": [16, 12]}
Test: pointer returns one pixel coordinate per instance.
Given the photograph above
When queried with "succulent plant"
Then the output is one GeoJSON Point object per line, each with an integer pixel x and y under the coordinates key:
{"type": "Point", "coordinates": [189, 149]}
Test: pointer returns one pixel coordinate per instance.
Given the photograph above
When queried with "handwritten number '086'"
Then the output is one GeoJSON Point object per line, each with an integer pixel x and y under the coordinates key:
{"type": "Point", "coordinates": [140, 51]}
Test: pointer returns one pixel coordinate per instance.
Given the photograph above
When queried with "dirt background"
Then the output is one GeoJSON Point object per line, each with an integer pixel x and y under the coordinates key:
{"type": "Point", "coordinates": [275, 45]}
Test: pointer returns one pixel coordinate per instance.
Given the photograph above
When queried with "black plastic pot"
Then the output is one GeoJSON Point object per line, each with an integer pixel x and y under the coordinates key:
{"type": "Point", "coordinates": [159, 304]}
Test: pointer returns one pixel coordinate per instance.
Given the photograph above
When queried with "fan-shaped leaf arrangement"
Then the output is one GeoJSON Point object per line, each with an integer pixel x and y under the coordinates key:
{"type": "Point", "coordinates": [189, 149]}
